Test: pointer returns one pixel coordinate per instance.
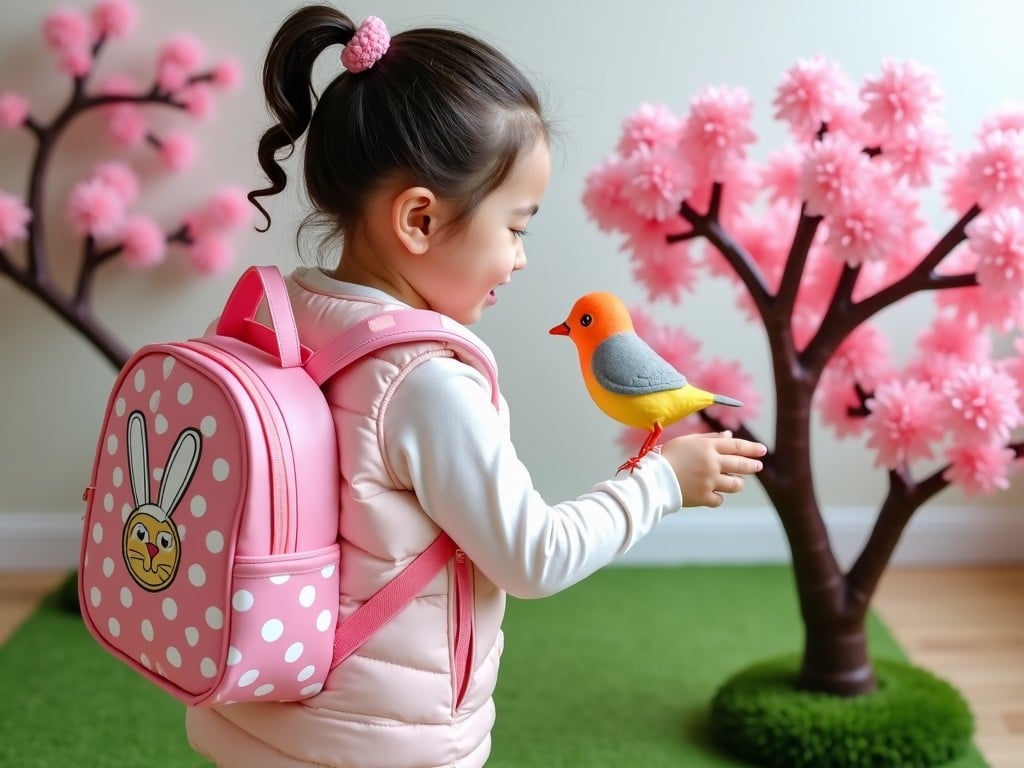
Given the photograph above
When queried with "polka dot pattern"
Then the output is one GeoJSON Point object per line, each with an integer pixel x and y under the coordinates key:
{"type": "Point", "coordinates": [225, 627]}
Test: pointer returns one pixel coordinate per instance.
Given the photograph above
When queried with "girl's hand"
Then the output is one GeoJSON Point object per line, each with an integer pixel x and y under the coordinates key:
{"type": "Point", "coordinates": [708, 465]}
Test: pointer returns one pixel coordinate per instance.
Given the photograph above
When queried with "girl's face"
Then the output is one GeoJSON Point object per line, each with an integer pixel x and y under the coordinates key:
{"type": "Point", "coordinates": [464, 271]}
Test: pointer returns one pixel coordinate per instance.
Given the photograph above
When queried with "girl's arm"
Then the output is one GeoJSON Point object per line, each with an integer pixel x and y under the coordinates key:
{"type": "Point", "coordinates": [445, 440]}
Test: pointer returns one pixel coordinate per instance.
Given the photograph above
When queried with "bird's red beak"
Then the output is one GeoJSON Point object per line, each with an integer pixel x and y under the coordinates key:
{"type": "Point", "coordinates": [560, 330]}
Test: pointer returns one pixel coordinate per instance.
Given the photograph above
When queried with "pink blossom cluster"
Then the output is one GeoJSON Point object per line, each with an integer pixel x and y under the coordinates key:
{"type": "Point", "coordinates": [72, 34]}
{"type": "Point", "coordinates": [14, 219]}
{"type": "Point", "coordinates": [951, 392]}
{"type": "Point", "coordinates": [856, 162]}
{"type": "Point", "coordinates": [225, 210]}
{"type": "Point", "coordinates": [99, 207]}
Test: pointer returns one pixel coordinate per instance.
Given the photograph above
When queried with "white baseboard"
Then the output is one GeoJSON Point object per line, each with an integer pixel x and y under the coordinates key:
{"type": "Point", "coordinates": [935, 536]}
{"type": "Point", "coordinates": [39, 541]}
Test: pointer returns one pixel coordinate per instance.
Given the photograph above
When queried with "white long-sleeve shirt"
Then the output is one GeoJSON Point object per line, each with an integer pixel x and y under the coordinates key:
{"type": "Point", "coordinates": [446, 440]}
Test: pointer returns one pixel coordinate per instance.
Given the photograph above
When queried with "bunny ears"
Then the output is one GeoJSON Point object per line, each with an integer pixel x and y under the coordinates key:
{"type": "Point", "coordinates": [367, 46]}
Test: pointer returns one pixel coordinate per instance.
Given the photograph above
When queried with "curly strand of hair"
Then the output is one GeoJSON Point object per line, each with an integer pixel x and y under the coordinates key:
{"type": "Point", "coordinates": [288, 87]}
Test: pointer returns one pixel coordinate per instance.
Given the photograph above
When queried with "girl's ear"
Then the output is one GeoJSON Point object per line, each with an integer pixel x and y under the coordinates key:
{"type": "Point", "coordinates": [413, 218]}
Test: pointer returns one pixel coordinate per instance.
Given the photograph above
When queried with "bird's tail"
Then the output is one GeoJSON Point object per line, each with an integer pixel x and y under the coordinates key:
{"type": "Point", "coordinates": [723, 400]}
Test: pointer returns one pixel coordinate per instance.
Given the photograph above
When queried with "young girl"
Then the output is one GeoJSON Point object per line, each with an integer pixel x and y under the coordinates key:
{"type": "Point", "coordinates": [426, 156]}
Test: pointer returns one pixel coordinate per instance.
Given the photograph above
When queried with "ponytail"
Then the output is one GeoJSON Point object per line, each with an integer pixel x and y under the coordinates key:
{"type": "Point", "coordinates": [287, 84]}
{"type": "Point", "coordinates": [430, 107]}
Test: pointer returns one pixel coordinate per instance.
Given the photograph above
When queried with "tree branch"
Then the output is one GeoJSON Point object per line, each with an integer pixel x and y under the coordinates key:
{"type": "Point", "coordinates": [737, 256]}
{"type": "Point", "coordinates": [905, 497]}
{"type": "Point", "coordinates": [837, 325]}
{"type": "Point", "coordinates": [799, 250]}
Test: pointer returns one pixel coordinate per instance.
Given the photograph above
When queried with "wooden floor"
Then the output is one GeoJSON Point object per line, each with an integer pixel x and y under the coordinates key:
{"type": "Point", "coordinates": [967, 626]}
{"type": "Point", "coordinates": [964, 624]}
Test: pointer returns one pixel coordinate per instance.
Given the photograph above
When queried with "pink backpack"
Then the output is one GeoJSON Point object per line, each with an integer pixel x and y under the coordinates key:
{"type": "Point", "coordinates": [210, 556]}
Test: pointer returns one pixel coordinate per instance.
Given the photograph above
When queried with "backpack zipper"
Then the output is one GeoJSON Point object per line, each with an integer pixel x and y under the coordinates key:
{"type": "Point", "coordinates": [278, 474]}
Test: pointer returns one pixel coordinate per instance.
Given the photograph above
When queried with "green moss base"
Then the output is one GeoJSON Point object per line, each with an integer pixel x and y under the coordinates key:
{"type": "Point", "coordinates": [913, 720]}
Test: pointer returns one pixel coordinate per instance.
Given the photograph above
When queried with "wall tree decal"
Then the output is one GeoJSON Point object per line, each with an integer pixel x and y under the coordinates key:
{"type": "Point", "coordinates": [100, 208]}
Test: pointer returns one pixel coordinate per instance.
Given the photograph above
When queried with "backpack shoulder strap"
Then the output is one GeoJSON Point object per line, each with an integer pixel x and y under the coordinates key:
{"type": "Point", "coordinates": [397, 327]}
{"type": "Point", "coordinates": [389, 600]}
{"type": "Point", "coordinates": [382, 330]}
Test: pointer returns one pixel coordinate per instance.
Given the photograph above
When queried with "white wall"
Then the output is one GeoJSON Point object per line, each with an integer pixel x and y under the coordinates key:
{"type": "Point", "coordinates": [593, 70]}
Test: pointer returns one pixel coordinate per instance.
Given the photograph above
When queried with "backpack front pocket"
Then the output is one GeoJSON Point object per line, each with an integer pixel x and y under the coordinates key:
{"type": "Point", "coordinates": [278, 640]}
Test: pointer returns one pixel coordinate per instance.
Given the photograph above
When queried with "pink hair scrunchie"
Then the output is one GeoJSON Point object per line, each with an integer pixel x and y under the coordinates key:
{"type": "Point", "coordinates": [367, 46]}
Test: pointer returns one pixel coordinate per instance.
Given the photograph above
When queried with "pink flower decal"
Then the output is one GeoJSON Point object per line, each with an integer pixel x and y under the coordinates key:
{"type": "Point", "coordinates": [119, 177]}
{"type": "Point", "coordinates": [838, 403]}
{"type": "Point", "coordinates": [949, 336]}
{"type": "Point", "coordinates": [980, 469]}
{"type": "Point", "coordinates": [126, 125]}
{"type": "Point", "coordinates": [811, 94]}
{"type": "Point", "coordinates": [210, 255]}
{"type": "Point", "coordinates": [114, 18]}
{"type": "Point", "coordinates": [227, 73]}
{"type": "Point", "coordinates": [67, 29]}
{"type": "Point", "coordinates": [603, 195]}
{"type": "Point", "coordinates": [995, 171]}
{"type": "Point", "coordinates": [14, 219]}
{"type": "Point", "coordinates": [69, 34]}
{"type": "Point", "coordinates": [781, 174]}
{"type": "Point", "coordinates": [729, 378]}
{"type": "Point", "coordinates": [833, 171]}
{"type": "Point", "coordinates": [659, 180]}
{"type": "Point", "coordinates": [650, 126]}
{"type": "Point", "coordinates": [665, 272]}
{"type": "Point", "coordinates": [177, 151]}
{"type": "Point", "coordinates": [13, 109]}
{"type": "Point", "coordinates": [900, 98]}
{"type": "Point", "coordinates": [864, 357]}
{"type": "Point", "coordinates": [179, 57]}
{"type": "Point", "coordinates": [998, 239]}
{"type": "Point", "coordinates": [95, 208]}
{"type": "Point", "coordinates": [1009, 117]}
{"type": "Point", "coordinates": [717, 131]}
{"type": "Point", "coordinates": [982, 404]}
{"type": "Point", "coordinates": [917, 151]}
{"type": "Point", "coordinates": [143, 242]}
{"type": "Point", "coordinates": [902, 426]}
{"type": "Point", "coordinates": [862, 228]}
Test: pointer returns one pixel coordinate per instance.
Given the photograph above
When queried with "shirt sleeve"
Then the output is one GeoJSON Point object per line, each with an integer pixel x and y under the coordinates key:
{"type": "Point", "coordinates": [445, 440]}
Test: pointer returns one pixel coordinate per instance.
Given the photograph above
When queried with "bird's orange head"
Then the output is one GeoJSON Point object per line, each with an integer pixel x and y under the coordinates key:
{"type": "Point", "coordinates": [594, 317]}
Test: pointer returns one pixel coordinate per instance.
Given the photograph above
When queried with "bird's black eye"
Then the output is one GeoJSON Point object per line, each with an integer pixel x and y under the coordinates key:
{"type": "Point", "coordinates": [586, 320]}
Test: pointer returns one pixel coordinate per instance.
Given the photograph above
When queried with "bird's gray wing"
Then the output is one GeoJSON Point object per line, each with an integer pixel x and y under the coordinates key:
{"type": "Point", "coordinates": [624, 363]}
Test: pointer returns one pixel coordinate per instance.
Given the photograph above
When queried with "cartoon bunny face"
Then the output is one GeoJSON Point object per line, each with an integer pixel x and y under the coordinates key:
{"type": "Point", "coordinates": [150, 542]}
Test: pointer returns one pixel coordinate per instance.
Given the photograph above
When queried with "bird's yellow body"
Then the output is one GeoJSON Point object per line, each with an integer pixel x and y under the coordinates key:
{"type": "Point", "coordinates": [655, 408]}
{"type": "Point", "coordinates": [627, 379]}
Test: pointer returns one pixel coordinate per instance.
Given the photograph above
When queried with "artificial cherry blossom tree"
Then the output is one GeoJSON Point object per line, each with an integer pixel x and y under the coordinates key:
{"type": "Point", "coordinates": [101, 208]}
{"type": "Point", "coordinates": [823, 236]}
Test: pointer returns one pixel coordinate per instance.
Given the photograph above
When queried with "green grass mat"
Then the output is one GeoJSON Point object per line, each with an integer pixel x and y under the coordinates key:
{"type": "Point", "coordinates": [617, 671]}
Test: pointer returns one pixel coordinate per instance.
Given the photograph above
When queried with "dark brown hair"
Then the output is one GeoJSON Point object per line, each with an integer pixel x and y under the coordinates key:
{"type": "Point", "coordinates": [441, 109]}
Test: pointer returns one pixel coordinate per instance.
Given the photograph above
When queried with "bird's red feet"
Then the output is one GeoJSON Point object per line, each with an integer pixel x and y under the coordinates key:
{"type": "Point", "coordinates": [646, 448]}
{"type": "Point", "coordinates": [634, 462]}
{"type": "Point", "coordinates": [630, 464]}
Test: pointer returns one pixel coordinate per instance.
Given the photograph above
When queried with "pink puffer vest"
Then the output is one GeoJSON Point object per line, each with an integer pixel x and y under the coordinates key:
{"type": "Point", "coordinates": [401, 700]}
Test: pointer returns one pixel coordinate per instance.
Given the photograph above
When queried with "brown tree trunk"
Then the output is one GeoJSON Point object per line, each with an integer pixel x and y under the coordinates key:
{"type": "Point", "coordinates": [835, 659]}
{"type": "Point", "coordinates": [833, 605]}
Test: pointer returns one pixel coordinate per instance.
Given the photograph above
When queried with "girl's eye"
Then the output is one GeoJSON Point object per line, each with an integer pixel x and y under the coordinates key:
{"type": "Point", "coordinates": [520, 233]}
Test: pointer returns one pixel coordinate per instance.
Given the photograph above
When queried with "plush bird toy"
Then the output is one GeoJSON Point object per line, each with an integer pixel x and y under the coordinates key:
{"type": "Point", "coordinates": [627, 379]}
